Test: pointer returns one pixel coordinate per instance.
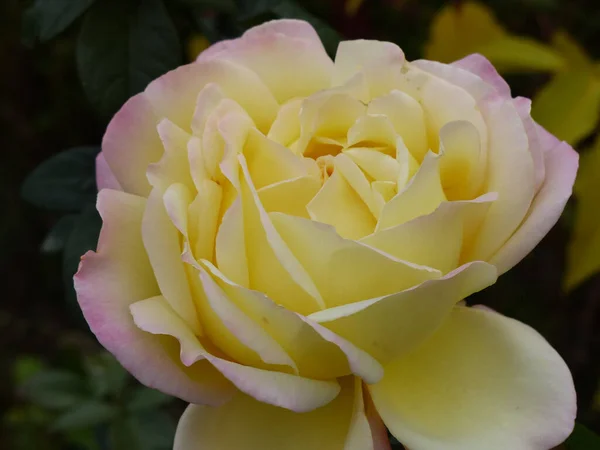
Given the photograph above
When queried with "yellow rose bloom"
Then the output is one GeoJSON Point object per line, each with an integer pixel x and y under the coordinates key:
{"type": "Point", "coordinates": [286, 239]}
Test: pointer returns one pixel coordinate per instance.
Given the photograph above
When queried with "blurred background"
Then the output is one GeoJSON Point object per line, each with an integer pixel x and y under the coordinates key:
{"type": "Point", "coordinates": [68, 65]}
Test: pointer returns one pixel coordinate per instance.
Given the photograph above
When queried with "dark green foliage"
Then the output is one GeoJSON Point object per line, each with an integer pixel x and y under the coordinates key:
{"type": "Point", "coordinates": [582, 439]}
{"type": "Point", "coordinates": [65, 182]}
{"type": "Point", "coordinates": [123, 46]}
{"type": "Point", "coordinates": [47, 18]}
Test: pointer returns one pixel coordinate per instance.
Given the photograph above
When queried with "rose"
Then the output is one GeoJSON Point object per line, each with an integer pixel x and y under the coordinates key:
{"type": "Point", "coordinates": [279, 229]}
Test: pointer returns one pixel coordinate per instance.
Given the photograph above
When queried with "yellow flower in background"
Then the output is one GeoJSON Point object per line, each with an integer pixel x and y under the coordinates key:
{"type": "Point", "coordinates": [569, 104]}
{"type": "Point", "coordinates": [583, 254]}
{"type": "Point", "coordinates": [286, 241]}
{"type": "Point", "coordinates": [470, 27]}
{"type": "Point", "coordinates": [196, 45]}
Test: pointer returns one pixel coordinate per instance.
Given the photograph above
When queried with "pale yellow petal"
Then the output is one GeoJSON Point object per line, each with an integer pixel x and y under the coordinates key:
{"type": "Point", "coordinates": [290, 196]}
{"type": "Point", "coordinates": [272, 267]}
{"type": "Point", "coordinates": [174, 95]}
{"type": "Point", "coordinates": [346, 271]}
{"type": "Point", "coordinates": [173, 167]}
{"type": "Point", "coordinates": [421, 196]}
{"type": "Point", "coordinates": [246, 424]}
{"type": "Point", "coordinates": [434, 240]}
{"type": "Point", "coordinates": [314, 356]}
{"type": "Point", "coordinates": [394, 325]}
{"type": "Point", "coordinates": [407, 118]}
{"type": "Point", "coordinates": [162, 243]}
{"type": "Point", "coordinates": [339, 205]}
{"type": "Point", "coordinates": [481, 381]}
{"type": "Point", "coordinates": [276, 388]}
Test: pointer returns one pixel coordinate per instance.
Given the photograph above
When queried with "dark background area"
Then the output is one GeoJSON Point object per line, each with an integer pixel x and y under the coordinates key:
{"type": "Point", "coordinates": [59, 390]}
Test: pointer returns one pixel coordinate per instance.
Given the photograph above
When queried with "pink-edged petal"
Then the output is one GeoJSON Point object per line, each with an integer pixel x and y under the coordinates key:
{"type": "Point", "coordinates": [300, 394]}
{"type": "Point", "coordinates": [286, 54]}
{"type": "Point", "coordinates": [131, 143]}
{"type": "Point", "coordinates": [482, 380]}
{"type": "Point", "coordinates": [246, 424]}
{"type": "Point", "coordinates": [484, 69]}
{"type": "Point", "coordinates": [390, 326]}
{"type": "Point", "coordinates": [561, 163]}
{"type": "Point", "coordinates": [174, 95]}
{"type": "Point", "coordinates": [118, 275]}
{"type": "Point", "coordinates": [510, 174]}
{"type": "Point", "coordinates": [523, 106]}
{"type": "Point", "coordinates": [105, 178]}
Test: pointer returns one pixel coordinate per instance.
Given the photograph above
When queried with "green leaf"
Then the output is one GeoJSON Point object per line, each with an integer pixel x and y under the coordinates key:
{"type": "Point", "coordinates": [47, 18]}
{"type": "Point", "coordinates": [253, 8]}
{"type": "Point", "coordinates": [56, 239]}
{"type": "Point", "coordinates": [569, 105]}
{"type": "Point", "coordinates": [54, 389]}
{"type": "Point", "coordinates": [87, 414]}
{"type": "Point", "coordinates": [105, 375]}
{"type": "Point", "coordinates": [65, 182]}
{"type": "Point", "coordinates": [582, 439]}
{"type": "Point", "coordinates": [143, 398]}
{"type": "Point", "coordinates": [150, 431]}
{"type": "Point", "coordinates": [122, 47]}
{"type": "Point", "coordinates": [155, 430]}
{"type": "Point", "coordinates": [84, 237]}
{"type": "Point", "coordinates": [227, 6]}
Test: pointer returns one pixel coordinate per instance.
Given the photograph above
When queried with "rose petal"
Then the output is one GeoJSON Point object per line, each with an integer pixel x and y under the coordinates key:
{"type": "Point", "coordinates": [482, 381]}
{"type": "Point", "coordinates": [480, 66]}
{"type": "Point", "coordinates": [436, 239]}
{"type": "Point", "coordinates": [421, 196]}
{"type": "Point", "coordinates": [119, 274]}
{"type": "Point", "coordinates": [379, 61]}
{"type": "Point", "coordinates": [343, 270]}
{"type": "Point", "coordinates": [246, 424]}
{"type": "Point", "coordinates": [173, 167]}
{"type": "Point", "coordinates": [407, 118]}
{"type": "Point", "coordinates": [174, 95]}
{"type": "Point", "coordinates": [276, 388]}
{"type": "Point", "coordinates": [396, 324]}
{"type": "Point", "coordinates": [510, 174]}
{"type": "Point", "coordinates": [272, 267]}
{"type": "Point", "coordinates": [338, 205]}
{"type": "Point", "coordinates": [105, 178]}
{"type": "Point", "coordinates": [161, 240]}
{"type": "Point", "coordinates": [314, 356]}
{"type": "Point", "coordinates": [561, 167]}
{"type": "Point", "coordinates": [131, 143]}
{"type": "Point", "coordinates": [278, 52]}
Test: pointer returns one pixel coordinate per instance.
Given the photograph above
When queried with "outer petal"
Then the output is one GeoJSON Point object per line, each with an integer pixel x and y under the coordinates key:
{"type": "Point", "coordinates": [482, 381]}
{"type": "Point", "coordinates": [286, 54]}
{"type": "Point", "coordinates": [105, 178]}
{"type": "Point", "coordinates": [131, 143]}
{"type": "Point", "coordinates": [118, 275]}
{"type": "Point", "coordinates": [292, 392]}
{"type": "Point", "coordinates": [480, 66]}
{"type": "Point", "coordinates": [561, 167]}
{"type": "Point", "coordinates": [391, 326]}
{"type": "Point", "coordinates": [246, 424]}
